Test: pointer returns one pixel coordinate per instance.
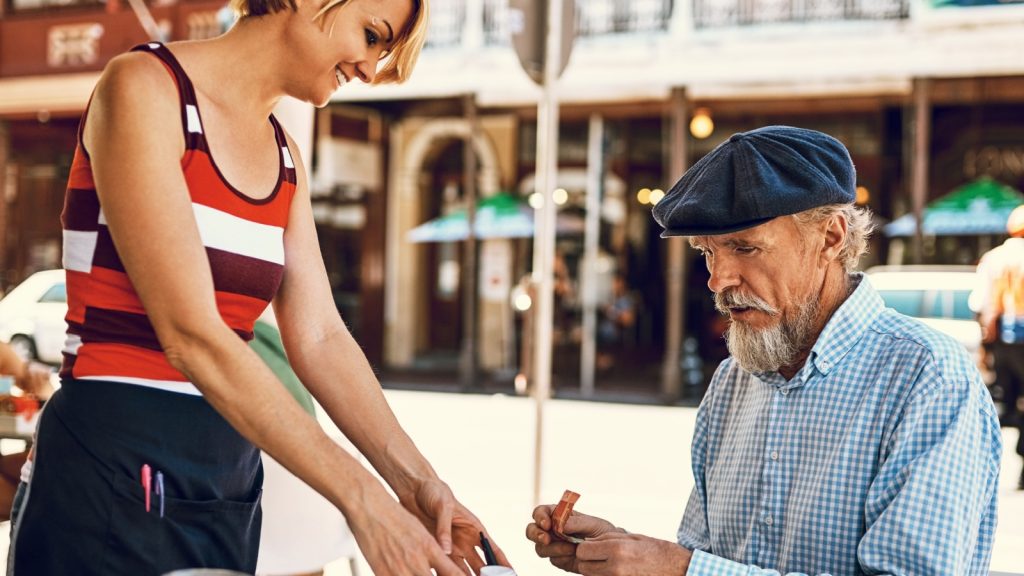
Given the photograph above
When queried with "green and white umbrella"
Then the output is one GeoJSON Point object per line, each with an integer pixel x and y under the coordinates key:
{"type": "Point", "coordinates": [499, 216]}
{"type": "Point", "coordinates": [980, 207]}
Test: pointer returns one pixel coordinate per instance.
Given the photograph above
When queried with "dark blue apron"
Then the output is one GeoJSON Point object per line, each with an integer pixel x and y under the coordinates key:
{"type": "Point", "coordinates": [84, 510]}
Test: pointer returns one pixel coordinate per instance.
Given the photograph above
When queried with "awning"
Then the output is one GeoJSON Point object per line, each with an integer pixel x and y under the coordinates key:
{"type": "Point", "coordinates": [54, 94]}
{"type": "Point", "coordinates": [499, 216]}
{"type": "Point", "coordinates": [980, 207]}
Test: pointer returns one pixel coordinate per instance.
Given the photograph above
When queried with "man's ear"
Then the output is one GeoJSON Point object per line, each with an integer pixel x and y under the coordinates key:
{"type": "Point", "coordinates": [835, 237]}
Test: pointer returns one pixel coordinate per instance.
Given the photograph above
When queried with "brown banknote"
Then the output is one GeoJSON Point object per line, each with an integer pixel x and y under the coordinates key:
{"type": "Point", "coordinates": [561, 514]}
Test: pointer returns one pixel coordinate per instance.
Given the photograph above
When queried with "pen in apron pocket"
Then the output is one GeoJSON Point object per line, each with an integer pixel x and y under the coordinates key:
{"type": "Point", "coordinates": [160, 490]}
{"type": "Point", "coordinates": [147, 483]}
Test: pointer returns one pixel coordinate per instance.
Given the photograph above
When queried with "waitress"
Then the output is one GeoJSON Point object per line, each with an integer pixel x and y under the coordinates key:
{"type": "Point", "coordinates": [185, 216]}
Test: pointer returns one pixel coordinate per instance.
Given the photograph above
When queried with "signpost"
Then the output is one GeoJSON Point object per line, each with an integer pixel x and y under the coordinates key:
{"type": "Point", "coordinates": [542, 35]}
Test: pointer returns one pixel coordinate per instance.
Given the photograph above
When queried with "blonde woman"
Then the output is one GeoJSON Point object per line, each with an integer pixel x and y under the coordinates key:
{"type": "Point", "coordinates": [185, 216]}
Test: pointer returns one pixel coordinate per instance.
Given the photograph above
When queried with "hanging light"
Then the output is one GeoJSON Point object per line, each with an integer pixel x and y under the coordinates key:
{"type": "Point", "coordinates": [863, 195]}
{"type": "Point", "coordinates": [536, 200]}
{"type": "Point", "coordinates": [701, 125]}
{"type": "Point", "coordinates": [656, 195]}
{"type": "Point", "coordinates": [643, 195]}
{"type": "Point", "coordinates": [560, 196]}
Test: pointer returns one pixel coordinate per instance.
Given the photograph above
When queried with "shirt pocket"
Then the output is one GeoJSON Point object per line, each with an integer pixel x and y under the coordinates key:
{"type": "Point", "coordinates": [191, 533]}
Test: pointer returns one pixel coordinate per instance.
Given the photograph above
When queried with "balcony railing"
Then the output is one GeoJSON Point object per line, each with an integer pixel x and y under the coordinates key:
{"type": "Point", "coordinates": [447, 20]}
{"type": "Point", "coordinates": [611, 17]}
{"type": "Point", "coordinates": [600, 17]}
{"type": "Point", "coordinates": [723, 13]}
{"type": "Point", "coordinates": [593, 18]}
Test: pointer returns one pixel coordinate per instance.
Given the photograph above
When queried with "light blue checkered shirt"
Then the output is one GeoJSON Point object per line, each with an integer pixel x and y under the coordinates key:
{"type": "Point", "coordinates": [881, 456]}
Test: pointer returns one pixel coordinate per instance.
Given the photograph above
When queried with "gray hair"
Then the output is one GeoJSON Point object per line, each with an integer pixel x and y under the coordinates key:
{"type": "Point", "coordinates": [858, 229]}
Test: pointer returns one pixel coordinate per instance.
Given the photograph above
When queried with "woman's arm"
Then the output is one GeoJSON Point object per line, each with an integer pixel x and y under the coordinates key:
{"type": "Point", "coordinates": [334, 369]}
{"type": "Point", "coordinates": [134, 137]}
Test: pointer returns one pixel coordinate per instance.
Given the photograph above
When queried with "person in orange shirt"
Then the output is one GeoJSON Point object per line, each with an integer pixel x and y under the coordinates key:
{"type": "Point", "coordinates": [1000, 299]}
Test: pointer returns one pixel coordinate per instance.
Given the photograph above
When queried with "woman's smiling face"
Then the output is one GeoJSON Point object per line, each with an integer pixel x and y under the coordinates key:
{"type": "Point", "coordinates": [347, 43]}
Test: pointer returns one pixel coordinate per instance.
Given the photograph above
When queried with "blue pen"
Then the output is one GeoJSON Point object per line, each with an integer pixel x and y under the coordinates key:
{"type": "Point", "coordinates": [160, 490]}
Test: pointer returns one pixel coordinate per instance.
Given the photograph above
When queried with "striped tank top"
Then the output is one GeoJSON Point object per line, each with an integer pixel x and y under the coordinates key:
{"type": "Point", "coordinates": [109, 335]}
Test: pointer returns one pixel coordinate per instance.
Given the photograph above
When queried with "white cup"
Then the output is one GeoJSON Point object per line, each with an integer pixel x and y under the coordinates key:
{"type": "Point", "coordinates": [497, 571]}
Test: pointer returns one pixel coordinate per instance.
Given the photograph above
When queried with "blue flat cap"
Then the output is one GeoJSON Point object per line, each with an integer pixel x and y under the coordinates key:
{"type": "Point", "coordinates": [756, 176]}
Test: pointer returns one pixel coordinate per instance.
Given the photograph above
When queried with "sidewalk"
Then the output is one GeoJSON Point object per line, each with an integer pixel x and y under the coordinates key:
{"type": "Point", "coordinates": [630, 463]}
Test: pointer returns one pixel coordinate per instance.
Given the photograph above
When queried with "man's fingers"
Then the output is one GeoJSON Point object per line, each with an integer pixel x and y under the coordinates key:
{"type": "Point", "coordinates": [594, 568]}
{"type": "Point", "coordinates": [535, 533]}
{"type": "Point", "coordinates": [542, 516]}
{"type": "Point", "coordinates": [556, 549]}
{"type": "Point", "coordinates": [592, 551]}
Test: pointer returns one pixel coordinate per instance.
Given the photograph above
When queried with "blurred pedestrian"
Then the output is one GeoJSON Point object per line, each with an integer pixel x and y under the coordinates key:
{"type": "Point", "coordinates": [186, 214]}
{"type": "Point", "coordinates": [618, 315]}
{"type": "Point", "coordinates": [33, 379]}
{"type": "Point", "coordinates": [1000, 301]}
{"type": "Point", "coordinates": [839, 437]}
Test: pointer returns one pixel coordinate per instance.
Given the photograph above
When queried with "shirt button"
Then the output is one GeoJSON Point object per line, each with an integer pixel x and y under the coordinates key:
{"type": "Point", "coordinates": [775, 455]}
{"type": "Point", "coordinates": [784, 391]}
{"type": "Point", "coordinates": [768, 520]}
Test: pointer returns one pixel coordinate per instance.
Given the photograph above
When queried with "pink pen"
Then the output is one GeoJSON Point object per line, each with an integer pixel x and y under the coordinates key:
{"type": "Point", "coordinates": [147, 482]}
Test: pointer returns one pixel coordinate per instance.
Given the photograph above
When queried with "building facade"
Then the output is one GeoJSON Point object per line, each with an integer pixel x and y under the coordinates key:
{"type": "Point", "coordinates": [927, 95]}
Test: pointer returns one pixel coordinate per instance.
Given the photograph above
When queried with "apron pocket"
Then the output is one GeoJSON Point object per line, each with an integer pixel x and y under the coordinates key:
{"type": "Point", "coordinates": [191, 534]}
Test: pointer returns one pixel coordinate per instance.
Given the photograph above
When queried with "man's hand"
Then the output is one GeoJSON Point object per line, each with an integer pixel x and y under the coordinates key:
{"type": "Point", "coordinates": [456, 529]}
{"type": "Point", "coordinates": [562, 554]}
{"type": "Point", "coordinates": [617, 554]}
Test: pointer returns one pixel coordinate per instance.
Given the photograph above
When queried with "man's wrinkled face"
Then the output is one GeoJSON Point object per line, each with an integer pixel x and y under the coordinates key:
{"type": "Point", "coordinates": [767, 280]}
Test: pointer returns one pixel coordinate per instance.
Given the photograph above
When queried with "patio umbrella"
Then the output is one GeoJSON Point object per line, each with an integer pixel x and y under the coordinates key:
{"type": "Point", "coordinates": [980, 207]}
{"type": "Point", "coordinates": [499, 216]}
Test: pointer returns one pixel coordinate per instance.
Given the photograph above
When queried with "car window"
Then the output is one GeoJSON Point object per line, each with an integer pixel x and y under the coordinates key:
{"type": "Point", "coordinates": [57, 293]}
{"type": "Point", "coordinates": [950, 304]}
{"type": "Point", "coordinates": [906, 302]}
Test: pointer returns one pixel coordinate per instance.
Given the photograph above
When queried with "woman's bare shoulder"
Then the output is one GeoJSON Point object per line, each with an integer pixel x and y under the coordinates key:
{"type": "Point", "coordinates": [136, 77]}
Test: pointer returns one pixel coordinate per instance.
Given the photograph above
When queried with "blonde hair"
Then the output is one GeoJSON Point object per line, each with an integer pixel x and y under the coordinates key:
{"type": "Point", "coordinates": [400, 59]}
{"type": "Point", "coordinates": [245, 8]}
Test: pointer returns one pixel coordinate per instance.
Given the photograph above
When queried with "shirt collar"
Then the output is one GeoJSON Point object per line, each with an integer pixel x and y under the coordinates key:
{"type": "Point", "coordinates": [847, 325]}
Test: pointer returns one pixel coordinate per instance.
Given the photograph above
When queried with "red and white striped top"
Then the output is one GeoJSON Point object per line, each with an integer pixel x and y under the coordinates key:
{"type": "Point", "coordinates": [109, 335]}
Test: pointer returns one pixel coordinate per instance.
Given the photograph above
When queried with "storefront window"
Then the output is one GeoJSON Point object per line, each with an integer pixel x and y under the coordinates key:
{"type": "Point", "coordinates": [25, 5]}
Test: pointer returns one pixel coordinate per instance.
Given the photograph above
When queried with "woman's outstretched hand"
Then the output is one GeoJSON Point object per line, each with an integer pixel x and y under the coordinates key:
{"type": "Point", "coordinates": [456, 529]}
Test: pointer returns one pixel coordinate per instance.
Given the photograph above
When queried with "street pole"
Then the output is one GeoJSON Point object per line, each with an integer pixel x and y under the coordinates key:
{"type": "Point", "coordinates": [544, 228]}
{"type": "Point", "coordinates": [591, 232]}
{"type": "Point", "coordinates": [919, 174]}
{"type": "Point", "coordinates": [675, 278]}
{"type": "Point", "coordinates": [468, 354]}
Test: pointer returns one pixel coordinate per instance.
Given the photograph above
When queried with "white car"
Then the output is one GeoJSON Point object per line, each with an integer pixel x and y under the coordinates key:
{"type": "Point", "coordinates": [32, 317]}
{"type": "Point", "coordinates": [935, 295]}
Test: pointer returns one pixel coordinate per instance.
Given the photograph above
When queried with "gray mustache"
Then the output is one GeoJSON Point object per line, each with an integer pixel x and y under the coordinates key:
{"type": "Point", "coordinates": [732, 299]}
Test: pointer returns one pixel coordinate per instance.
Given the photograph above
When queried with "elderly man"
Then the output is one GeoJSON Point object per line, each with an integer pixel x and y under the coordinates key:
{"type": "Point", "coordinates": [839, 437]}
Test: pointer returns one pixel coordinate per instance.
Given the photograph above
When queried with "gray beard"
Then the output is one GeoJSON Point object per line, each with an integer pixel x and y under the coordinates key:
{"type": "Point", "coordinates": [768, 349]}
